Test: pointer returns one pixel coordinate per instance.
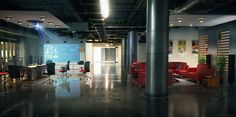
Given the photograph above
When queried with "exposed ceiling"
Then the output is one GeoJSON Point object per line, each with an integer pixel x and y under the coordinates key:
{"type": "Point", "coordinates": [84, 18]}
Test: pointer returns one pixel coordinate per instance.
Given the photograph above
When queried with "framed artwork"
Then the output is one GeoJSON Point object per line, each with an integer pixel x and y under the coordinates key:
{"type": "Point", "coordinates": [182, 46]}
{"type": "Point", "coordinates": [170, 47]}
{"type": "Point", "coordinates": [195, 46]}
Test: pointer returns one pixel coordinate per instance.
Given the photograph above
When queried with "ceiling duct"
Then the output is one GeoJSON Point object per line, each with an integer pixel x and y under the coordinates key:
{"type": "Point", "coordinates": [187, 5]}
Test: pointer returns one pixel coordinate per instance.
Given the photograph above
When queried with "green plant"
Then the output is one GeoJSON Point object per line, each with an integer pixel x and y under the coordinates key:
{"type": "Point", "coordinates": [201, 59]}
{"type": "Point", "coordinates": [220, 63]}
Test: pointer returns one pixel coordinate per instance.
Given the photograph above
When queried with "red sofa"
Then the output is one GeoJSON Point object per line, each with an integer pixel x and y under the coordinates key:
{"type": "Point", "coordinates": [139, 69]}
{"type": "Point", "coordinates": [199, 72]}
{"type": "Point", "coordinates": [177, 67]}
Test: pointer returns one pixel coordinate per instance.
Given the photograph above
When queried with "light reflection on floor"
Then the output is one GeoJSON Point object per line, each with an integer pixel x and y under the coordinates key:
{"type": "Point", "coordinates": [67, 87]}
{"type": "Point", "coordinates": [106, 95]}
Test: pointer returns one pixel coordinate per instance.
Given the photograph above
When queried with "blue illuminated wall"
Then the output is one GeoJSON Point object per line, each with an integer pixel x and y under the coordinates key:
{"type": "Point", "coordinates": [62, 52]}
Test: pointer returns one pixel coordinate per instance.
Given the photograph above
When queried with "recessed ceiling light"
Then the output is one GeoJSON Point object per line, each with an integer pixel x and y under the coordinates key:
{"type": "Point", "coordinates": [190, 23]}
{"type": "Point", "coordinates": [8, 17]}
{"type": "Point", "coordinates": [20, 22]}
{"type": "Point", "coordinates": [29, 26]}
{"type": "Point", "coordinates": [179, 20]}
{"type": "Point", "coordinates": [42, 18]}
{"type": "Point", "coordinates": [56, 26]}
{"type": "Point", "coordinates": [171, 23]}
{"type": "Point", "coordinates": [50, 22]}
{"type": "Point", "coordinates": [201, 20]}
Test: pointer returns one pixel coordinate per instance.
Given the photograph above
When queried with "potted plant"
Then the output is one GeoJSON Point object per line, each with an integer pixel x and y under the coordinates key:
{"type": "Point", "coordinates": [201, 59]}
{"type": "Point", "coordinates": [220, 63]}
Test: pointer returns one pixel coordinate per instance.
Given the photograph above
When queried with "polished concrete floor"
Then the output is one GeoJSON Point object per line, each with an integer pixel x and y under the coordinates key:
{"type": "Point", "coordinates": [107, 94]}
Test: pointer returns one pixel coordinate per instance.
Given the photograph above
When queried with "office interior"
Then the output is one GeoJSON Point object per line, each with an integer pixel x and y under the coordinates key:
{"type": "Point", "coordinates": [141, 58]}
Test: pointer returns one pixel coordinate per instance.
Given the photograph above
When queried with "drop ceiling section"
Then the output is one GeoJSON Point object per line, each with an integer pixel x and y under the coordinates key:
{"type": "Point", "coordinates": [25, 16]}
{"type": "Point", "coordinates": [209, 20]}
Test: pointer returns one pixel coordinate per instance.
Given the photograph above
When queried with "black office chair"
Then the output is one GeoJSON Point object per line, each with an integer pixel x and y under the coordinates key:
{"type": "Point", "coordinates": [50, 68]}
{"type": "Point", "coordinates": [14, 72]}
{"type": "Point", "coordinates": [64, 70]}
{"type": "Point", "coordinates": [81, 63]}
{"type": "Point", "coordinates": [85, 69]}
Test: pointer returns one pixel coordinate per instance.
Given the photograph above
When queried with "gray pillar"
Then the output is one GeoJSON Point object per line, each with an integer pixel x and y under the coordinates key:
{"type": "Point", "coordinates": [157, 48]}
{"type": "Point", "coordinates": [124, 53]}
{"type": "Point", "coordinates": [132, 47]}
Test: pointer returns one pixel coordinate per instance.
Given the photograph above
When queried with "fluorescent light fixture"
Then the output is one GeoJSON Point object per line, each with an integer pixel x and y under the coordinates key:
{"type": "Point", "coordinates": [104, 4]}
{"type": "Point", "coordinates": [89, 40]}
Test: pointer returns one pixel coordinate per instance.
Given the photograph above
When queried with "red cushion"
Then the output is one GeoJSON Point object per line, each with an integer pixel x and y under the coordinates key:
{"type": "Point", "coordinates": [3, 73]}
{"type": "Point", "coordinates": [62, 70]}
{"type": "Point", "coordinates": [82, 70]}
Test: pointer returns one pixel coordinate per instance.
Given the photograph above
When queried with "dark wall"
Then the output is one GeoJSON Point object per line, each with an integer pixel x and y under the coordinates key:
{"type": "Point", "coordinates": [212, 33]}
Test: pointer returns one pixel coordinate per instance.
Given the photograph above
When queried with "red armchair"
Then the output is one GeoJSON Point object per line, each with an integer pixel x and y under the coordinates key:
{"type": "Point", "coordinates": [200, 72]}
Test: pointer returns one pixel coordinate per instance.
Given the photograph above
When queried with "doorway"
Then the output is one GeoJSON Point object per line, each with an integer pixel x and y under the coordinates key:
{"type": "Point", "coordinates": [104, 58]}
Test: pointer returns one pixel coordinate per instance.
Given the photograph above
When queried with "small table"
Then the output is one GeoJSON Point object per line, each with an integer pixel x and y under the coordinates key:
{"type": "Point", "coordinates": [210, 81]}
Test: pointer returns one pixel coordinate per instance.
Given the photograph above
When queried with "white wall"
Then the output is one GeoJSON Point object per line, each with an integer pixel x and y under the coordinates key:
{"type": "Point", "coordinates": [142, 52]}
{"type": "Point", "coordinates": [175, 34]}
{"type": "Point", "coordinates": [187, 34]}
{"type": "Point", "coordinates": [89, 52]}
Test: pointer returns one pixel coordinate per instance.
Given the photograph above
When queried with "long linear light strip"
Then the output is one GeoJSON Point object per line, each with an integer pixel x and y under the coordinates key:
{"type": "Point", "coordinates": [104, 8]}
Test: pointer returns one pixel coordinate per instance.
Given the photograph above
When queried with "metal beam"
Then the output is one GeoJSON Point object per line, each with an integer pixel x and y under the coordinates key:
{"type": "Point", "coordinates": [134, 10]}
{"type": "Point", "coordinates": [72, 10]}
{"type": "Point", "coordinates": [187, 5]}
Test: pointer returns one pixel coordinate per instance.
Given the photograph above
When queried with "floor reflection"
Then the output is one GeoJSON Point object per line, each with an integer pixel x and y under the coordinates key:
{"type": "Point", "coordinates": [105, 68]}
{"type": "Point", "coordinates": [106, 95]}
{"type": "Point", "coordinates": [67, 87]}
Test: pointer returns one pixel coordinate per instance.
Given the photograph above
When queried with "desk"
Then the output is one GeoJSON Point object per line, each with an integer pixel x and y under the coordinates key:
{"type": "Point", "coordinates": [34, 72]}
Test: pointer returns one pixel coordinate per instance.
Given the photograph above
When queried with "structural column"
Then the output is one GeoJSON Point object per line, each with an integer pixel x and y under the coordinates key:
{"type": "Point", "coordinates": [132, 47]}
{"type": "Point", "coordinates": [124, 53]}
{"type": "Point", "coordinates": [157, 48]}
